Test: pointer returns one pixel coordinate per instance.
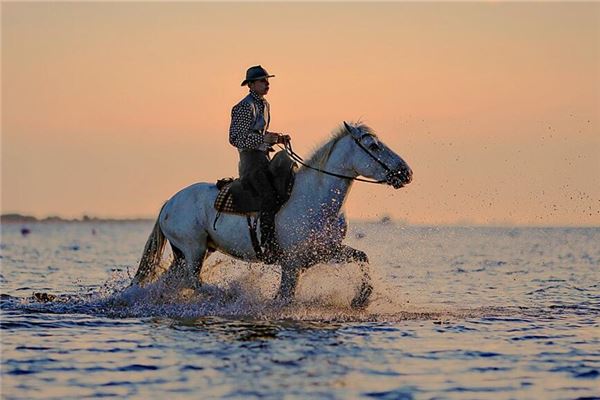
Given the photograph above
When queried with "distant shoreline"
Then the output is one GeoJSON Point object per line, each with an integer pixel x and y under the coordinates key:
{"type": "Point", "coordinates": [28, 219]}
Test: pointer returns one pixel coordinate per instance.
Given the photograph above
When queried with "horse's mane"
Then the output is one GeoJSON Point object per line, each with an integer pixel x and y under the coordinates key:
{"type": "Point", "coordinates": [319, 157]}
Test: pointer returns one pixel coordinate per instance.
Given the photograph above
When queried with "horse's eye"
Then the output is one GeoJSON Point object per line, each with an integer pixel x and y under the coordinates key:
{"type": "Point", "coordinates": [373, 147]}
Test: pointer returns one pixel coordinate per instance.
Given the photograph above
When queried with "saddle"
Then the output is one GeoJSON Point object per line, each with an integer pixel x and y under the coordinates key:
{"type": "Point", "coordinates": [236, 198]}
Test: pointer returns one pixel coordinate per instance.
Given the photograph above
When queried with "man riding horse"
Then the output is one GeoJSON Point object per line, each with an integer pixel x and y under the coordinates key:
{"type": "Point", "coordinates": [249, 133]}
{"type": "Point", "coordinates": [188, 219]}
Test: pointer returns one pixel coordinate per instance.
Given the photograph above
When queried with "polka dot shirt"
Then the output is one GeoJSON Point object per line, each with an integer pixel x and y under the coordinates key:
{"type": "Point", "coordinates": [241, 134]}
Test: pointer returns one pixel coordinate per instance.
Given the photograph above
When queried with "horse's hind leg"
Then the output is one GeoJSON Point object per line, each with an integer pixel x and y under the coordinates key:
{"type": "Point", "coordinates": [178, 262]}
{"type": "Point", "coordinates": [194, 258]}
{"type": "Point", "coordinates": [187, 263]}
{"type": "Point", "coordinates": [177, 254]}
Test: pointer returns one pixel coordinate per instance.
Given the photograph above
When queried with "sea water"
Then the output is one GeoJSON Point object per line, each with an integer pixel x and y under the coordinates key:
{"type": "Point", "coordinates": [458, 313]}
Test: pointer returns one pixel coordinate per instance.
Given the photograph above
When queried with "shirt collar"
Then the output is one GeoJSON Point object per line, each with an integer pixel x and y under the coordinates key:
{"type": "Point", "coordinates": [256, 97]}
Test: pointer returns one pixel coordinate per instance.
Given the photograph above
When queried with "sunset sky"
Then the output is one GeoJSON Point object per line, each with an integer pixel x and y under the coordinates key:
{"type": "Point", "coordinates": [110, 108]}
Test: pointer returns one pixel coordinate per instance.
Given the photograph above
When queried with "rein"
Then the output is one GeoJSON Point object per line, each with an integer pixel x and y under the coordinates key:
{"type": "Point", "coordinates": [299, 160]}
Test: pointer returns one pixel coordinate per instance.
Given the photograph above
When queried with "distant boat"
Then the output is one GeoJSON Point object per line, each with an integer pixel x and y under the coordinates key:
{"type": "Point", "coordinates": [25, 231]}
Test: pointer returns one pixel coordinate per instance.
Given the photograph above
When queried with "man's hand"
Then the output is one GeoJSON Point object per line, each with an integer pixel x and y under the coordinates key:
{"type": "Point", "coordinates": [271, 138]}
{"type": "Point", "coordinates": [283, 139]}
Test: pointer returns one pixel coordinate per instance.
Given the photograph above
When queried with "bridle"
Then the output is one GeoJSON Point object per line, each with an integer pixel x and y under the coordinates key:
{"type": "Point", "coordinates": [390, 173]}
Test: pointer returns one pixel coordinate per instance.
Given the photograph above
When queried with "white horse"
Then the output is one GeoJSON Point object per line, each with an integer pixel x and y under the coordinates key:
{"type": "Point", "coordinates": [310, 226]}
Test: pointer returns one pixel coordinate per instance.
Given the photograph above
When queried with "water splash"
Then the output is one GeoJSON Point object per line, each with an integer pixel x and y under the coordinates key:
{"type": "Point", "coordinates": [236, 289]}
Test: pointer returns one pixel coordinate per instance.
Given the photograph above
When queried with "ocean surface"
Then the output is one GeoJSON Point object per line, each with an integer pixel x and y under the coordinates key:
{"type": "Point", "coordinates": [456, 313]}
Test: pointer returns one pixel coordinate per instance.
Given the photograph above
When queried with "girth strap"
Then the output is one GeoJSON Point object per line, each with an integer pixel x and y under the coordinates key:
{"type": "Point", "coordinates": [253, 237]}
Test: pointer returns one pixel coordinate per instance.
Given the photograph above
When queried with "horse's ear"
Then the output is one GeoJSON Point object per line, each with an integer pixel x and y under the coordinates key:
{"type": "Point", "coordinates": [348, 127]}
{"type": "Point", "coordinates": [353, 130]}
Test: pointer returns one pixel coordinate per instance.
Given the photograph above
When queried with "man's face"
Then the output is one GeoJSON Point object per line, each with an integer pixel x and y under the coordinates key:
{"type": "Point", "coordinates": [260, 87]}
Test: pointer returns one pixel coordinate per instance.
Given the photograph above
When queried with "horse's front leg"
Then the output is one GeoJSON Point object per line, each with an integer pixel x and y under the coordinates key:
{"type": "Point", "coordinates": [289, 280]}
{"type": "Point", "coordinates": [361, 300]}
{"type": "Point", "coordinates": [348, 254]}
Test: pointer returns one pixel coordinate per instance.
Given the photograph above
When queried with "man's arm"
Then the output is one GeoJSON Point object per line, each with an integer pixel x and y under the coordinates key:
{"type": "Point", "coordinates": [240, 134]}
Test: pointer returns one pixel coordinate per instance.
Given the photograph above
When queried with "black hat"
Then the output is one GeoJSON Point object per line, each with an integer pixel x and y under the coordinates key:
{"type": "Point", "coordinates": [255, 73]}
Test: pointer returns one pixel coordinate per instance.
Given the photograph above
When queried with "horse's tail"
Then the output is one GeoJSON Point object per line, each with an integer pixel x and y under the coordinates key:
{"type": "Point", "coordinates": [149, 267]}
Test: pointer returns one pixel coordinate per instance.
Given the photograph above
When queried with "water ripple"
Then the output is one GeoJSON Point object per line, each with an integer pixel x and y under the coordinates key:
{"type": "Point", "coordinates": [456, 313]}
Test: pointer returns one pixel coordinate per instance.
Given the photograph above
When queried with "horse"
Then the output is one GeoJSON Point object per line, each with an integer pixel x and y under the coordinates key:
{"type": "Point", "coordinates": [310, 227]}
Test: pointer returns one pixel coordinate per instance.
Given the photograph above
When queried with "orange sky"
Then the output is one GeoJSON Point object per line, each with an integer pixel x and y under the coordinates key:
{"type": "Point", "coordinates": [110, 108]}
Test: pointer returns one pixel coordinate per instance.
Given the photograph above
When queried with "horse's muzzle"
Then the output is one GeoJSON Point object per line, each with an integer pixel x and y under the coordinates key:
{"type": "Point", "coordinates": [399, 178]}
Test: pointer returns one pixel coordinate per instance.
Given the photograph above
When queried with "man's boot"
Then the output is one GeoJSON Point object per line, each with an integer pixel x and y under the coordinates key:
{"type": "Point", "coordinates": [270, 245]}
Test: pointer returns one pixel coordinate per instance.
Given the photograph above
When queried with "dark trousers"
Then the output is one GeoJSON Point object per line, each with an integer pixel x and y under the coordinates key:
{"type": "Point", "coordinates": [255, 175]}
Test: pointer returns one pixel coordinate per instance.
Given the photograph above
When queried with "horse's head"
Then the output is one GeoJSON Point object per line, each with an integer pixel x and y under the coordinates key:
{"type": "Point", "coordinates": [373, 159]}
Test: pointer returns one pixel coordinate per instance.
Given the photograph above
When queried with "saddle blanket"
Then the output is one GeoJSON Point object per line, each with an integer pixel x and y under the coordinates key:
{"type": "Point", "coordinates": [224, 201]}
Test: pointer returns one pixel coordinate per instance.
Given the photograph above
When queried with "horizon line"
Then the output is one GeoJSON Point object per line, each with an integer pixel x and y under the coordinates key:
{"type": "Point", "coordinates": [18, 218]}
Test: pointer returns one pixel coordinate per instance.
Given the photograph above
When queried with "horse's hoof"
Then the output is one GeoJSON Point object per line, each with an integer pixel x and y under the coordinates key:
{"type": "Point", "coordinates": [360, 256]}
{"type": "Point", "coordinates": [361, 301]}
{"type": "Point", "coordinates": [186, 294]}
{"type": "Point", "coordinates": [44, 297]}
{"type": "Point", "coordinates": [282, 300]}
{"type": "Point", "coordinates": [197, 286]}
